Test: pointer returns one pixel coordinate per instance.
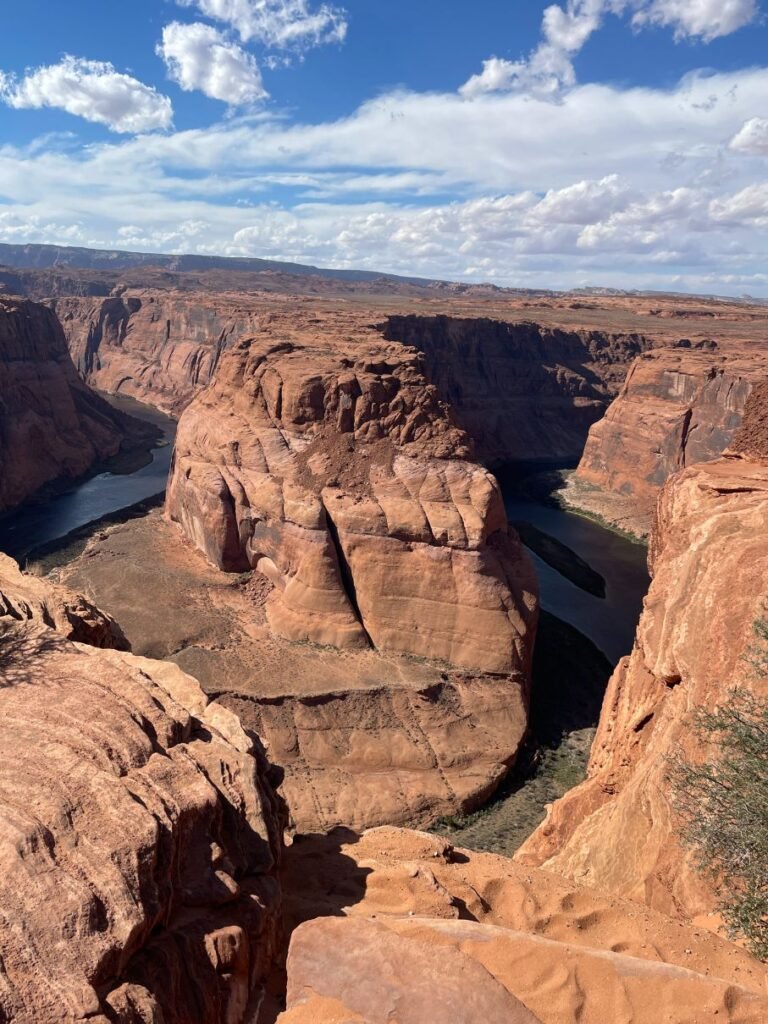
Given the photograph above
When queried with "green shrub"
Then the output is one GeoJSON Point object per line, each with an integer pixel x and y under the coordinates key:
{"type": "Point", "coordinates": [723, 806]}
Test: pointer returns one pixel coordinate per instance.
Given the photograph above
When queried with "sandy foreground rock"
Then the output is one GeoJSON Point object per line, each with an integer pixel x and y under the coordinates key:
{"type": "Point", "coordinates": [394, 919]}
{"type": "Point", "coordinates": [140, 834]}
{"type": "Point", "coordinates": [617, 831]}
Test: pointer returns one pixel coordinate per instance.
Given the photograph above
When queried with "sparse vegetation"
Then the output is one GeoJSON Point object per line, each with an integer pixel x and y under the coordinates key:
{"type": "Point", "coordinates": [723, 804]}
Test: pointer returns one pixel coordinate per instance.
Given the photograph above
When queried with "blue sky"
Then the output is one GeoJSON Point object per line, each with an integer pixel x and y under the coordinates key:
{"type": "Point", "coordinates": [615, 142]}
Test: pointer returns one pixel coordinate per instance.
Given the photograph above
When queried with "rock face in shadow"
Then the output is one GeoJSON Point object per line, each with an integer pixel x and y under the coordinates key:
{"type": "Point", "coordinates": [677, 408]}
{"type": "Point", "coordinates": [140, 836]}
{"type": "Point", "coordinates": [521, 390]}
{"type": "Point", "coordinates": [52, 426]}
{"type": "Point", "coordinates": [157, 347]}
{"type": "Point", "coordinates": [709, 557]}
{"type": "Point", "coordinates": [391, 923]}
{"type": "Point", "coordinates": [341, 477]}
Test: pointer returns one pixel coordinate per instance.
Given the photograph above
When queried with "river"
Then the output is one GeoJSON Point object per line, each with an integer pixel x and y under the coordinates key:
{"type": "Point", "coordinates": [109, 491]}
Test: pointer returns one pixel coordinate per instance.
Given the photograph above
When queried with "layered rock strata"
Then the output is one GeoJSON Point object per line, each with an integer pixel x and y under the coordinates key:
{"type": "Point", "coordinates": [677, 408]}
{"type": "Point", "coordinates": [52, 425]}
{"type": "Point", "coordinates": [343, 480]}
{"type": "Point", "coordinates": [523, 391]}
{"type": "Point", "coordinates": [157, 347]}
{"type": "Point", "coordinates": [709, 557]}
{"type": "Point", "coordinates": [140, 835]}
{"type": "Point", "coordinates": [399, 925]}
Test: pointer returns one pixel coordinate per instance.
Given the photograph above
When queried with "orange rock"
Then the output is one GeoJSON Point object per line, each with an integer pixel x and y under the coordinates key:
{"type": "Point", "coordinates": [52, 426]}
{"type": "Point", "coordinates": [327, 470]}
{"type": "Point", "coordinates": [617, 831]}
{"type": "Point", "coordinates": [381, 920]}
{"type": "Point", "coordinates": [139, 836]}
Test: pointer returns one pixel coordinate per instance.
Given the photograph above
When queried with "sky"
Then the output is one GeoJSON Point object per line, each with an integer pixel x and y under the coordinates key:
{"type": "Point", "coordinates": [621, 143]}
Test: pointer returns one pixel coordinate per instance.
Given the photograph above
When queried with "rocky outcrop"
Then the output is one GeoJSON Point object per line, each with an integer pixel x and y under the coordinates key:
{"type": "Point", "coordinates": [709, 557]}
{"type": "Point", "coordinates": [399, 925]}
{"type": "Point", "coordinates": [523, 391]}
{"type": "Point", "coordinates": [342, 479]}
{"type": "Point", "coordinates": [140, 836]}
{"type": "Point", "coordinates": [52, 425]}
{"type": "Point", "coordinates": [157, 347]}
{"type": "Point", "coordinates": [26, 599]}
{"type": "Point", "coordinates": [677, 408]}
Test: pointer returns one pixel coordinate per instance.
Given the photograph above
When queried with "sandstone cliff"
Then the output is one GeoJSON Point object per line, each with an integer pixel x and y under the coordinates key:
{"type": "Point", "coordinates": [677, 408]}
{"type": "Point", "coordinates": [51, 424]}
{"type": "Point", "coordinates": [158, 347]}
{"type": "Point", "coordinates": [140, 833]}
{"type": "Point", "coordinates": [521, 390]}
{"type": "Point", "coordinates": [709, 559]}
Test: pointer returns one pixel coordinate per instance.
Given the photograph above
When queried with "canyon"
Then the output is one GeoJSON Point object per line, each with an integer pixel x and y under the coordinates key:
{"type": "Point", "coordinates": [52, 426]}
{"type": "Point", "coordinates": [328, 634]}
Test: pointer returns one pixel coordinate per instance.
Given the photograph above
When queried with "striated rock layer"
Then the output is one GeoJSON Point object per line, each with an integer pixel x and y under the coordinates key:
{"type": "Point", "coordinates": [158, 347]}
{"type": "Point", "coordinates": [51, 424]}
{"type": "Point", "coordinates": [677, 408]}
{"type": "Point", "coordinates": [342, 479]}
{"type": "Point", "coordinates": [400, 926]}
{"type": "Point", "coordinates": [523, 391]}
{"type": "Point", "coordinates": [140, 834]}
{"type": "Point", "coordinates": [709, 558]}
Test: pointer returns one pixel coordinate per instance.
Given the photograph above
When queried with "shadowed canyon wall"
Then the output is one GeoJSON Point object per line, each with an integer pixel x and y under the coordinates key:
{"type": "Point", "coordinates": [522, 391]}
{"type": "Point", "coordinates": [51, 424]}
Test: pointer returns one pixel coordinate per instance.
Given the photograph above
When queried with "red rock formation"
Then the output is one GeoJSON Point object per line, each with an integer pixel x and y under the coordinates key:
{"type": "Point", "coordinates": [399, 925]}
{"type": "Point", "coordinates": [342, 478]}
{"type": "Point", "coordinates": [139, 837]}
{"type": "Point", "coordinates": [157, 347]}
{"type": "Point", "coordinates": [51, 424]}
{"type": "Point", "coordinates": [521, 390]}
{"type": "Point", "coordinates": [677, 408]}
{"type": "Point", "coordinates": [709, 557]}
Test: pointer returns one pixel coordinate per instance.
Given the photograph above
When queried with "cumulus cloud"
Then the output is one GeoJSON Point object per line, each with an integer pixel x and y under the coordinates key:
{"type": "Point", "coordinates": [702, 19]}
{"type": "Point", "coordinates": [566, 29]}
{"type": "Point", "coordinates": [199, 57]}
{"type": "Point", "coordinates": [752, 137]}
{"type": "Point", "coordinates": [93, 90]}
{"type": "Point", "coordinates": [278, 24]}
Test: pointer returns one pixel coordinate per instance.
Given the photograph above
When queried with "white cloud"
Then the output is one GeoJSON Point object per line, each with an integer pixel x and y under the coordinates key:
{"type": "Point", "coordinates": [702, 19]}
{"type": "Point", "coordinates": [199, 57]}
{"type": "Point", "coordinates": [752, 137]}
{"type": "Point", "coordinates": [93, 90]}
{"type": "Point", "coordinates": [565, 30]}
{"type": "Point", "coordinates": [650, 195]}
{"type": "Point", "coordinates": [277, 23]}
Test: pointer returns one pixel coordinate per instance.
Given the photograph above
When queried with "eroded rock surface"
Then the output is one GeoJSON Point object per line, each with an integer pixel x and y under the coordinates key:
{"type": "Point", "coordinates": [51, 425]}
{"type": "Point", "coordinates": [678, 407]}
{"type": "Point", "coordinates": [709, 556]}
{"type": "Point", "coordinates": [341, 477]}
{"type": "Point", "coordinates": [386, 922]}
{"type": "Point", "coordinates": [523, 391]}
{"type": "Point", "coordinates": [157, 347]}
{"type": "Point", "coordinates": [140, 836]}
